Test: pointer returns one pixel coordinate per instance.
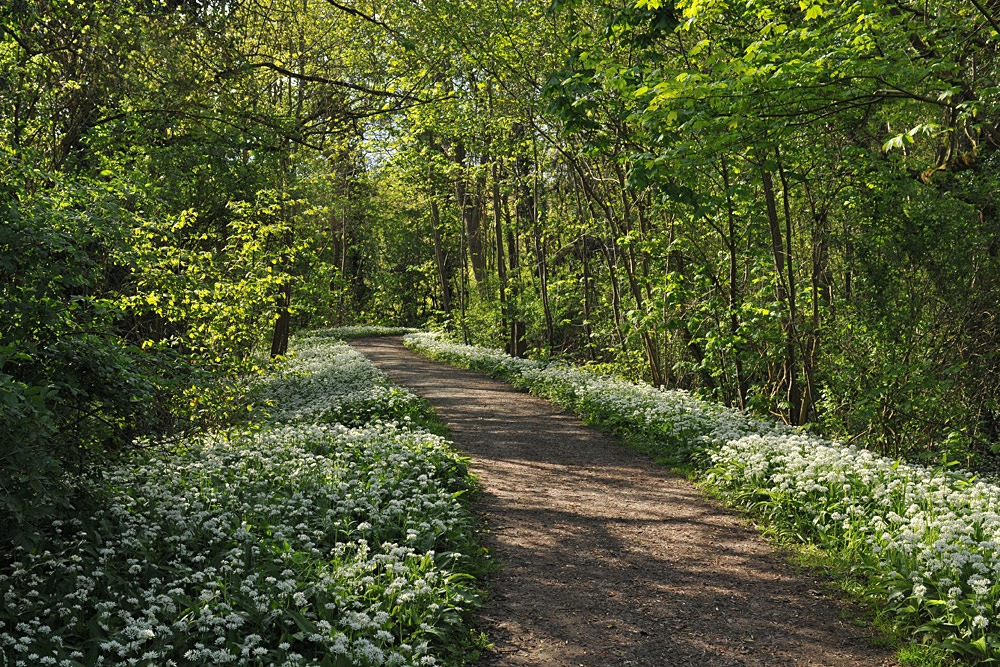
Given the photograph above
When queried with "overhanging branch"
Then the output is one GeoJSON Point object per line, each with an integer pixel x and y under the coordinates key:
{"type": "Point", "coordinates": [301, 76]}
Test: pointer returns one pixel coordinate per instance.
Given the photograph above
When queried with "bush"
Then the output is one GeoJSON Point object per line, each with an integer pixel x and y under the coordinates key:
{"type": "Point", "coordinates": [71, 390]}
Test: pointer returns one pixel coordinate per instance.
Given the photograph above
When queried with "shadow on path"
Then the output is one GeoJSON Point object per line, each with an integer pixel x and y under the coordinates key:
{"type": "Point", "coordinates": [608, 558]}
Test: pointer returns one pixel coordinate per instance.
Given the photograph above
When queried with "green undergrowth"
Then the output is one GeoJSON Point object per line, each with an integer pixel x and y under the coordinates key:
{"type": "Point", "coordinates": [838, 572]}
{"type": "Point", "coordinates": [842, 576]}
{"type": "Point", "coordinates": [356, 331]}
{"type": "Point", "coordinates": [917, 547]}
{"type": "Point", "coordinates": [335, 530]}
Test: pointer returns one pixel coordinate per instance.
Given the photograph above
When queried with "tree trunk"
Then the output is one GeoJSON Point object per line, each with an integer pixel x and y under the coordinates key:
{"type": "Point", "coordinates": [779, 251]}
{"type": "Point", "coordinates": [677, 263]}
{"type": "Point", "coordinates": [470, 204]}
{"type": "Point", "coordinates": [587, 329]}
{"type": "Point", "coordinates": [282, 325]}
{"type": "Point", "coordinates": [611, 259]}
{"type": "Point", "coordinates": [585, 261]}
{"type": "Point", "coordinates": [463, 292]}
{"type": "Point", "coordinates": [735, 299]}
{"type": "Point", "coordinates": [540, 250]}
{"type": "Point", "coordinates": [801, 403]}
{"type": "Point", "coordinates": [515, 341]}
{"type": "Point", "coordinates": [500, 262]}
{"type": "Point", "coordinates": [541, 266]}
{"type": "Point", "coordinates": [651, 349]}
{"type": "Point", "coordinates": [440, 258]}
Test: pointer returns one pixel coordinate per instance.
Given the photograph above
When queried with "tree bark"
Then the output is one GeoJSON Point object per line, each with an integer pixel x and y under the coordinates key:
{"type": "Point", "coordinates": [650, 347]}
{"type": "Point", "coordinates": [500, 262]}
{"type": "Point", "coordinates": [778, 250]}
{"type": "Point", "coordinates": [540, 250]}
{"type": "Point", "coordinates": [282, 325]}
{"type": "Point", "coordinates": [515, 341]}
{"type": "Point", "coordinates": [801, 404]}
{"type": "Point", "coordinates": [440, 258]}
{"type": "Point", "coordinates": [735, 299]}
{"type": "Point", "coordinates": [470, 204]}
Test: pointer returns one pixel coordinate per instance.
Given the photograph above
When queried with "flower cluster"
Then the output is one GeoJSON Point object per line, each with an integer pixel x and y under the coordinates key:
{"type": "Point", "coordinates": [288, 543]}
{"type": "Point", "coordinates": [333, 384]}
{"type": "Point", "coordinates": [360, 331]}
{"type": "Point", "coordinates": [928, 538]}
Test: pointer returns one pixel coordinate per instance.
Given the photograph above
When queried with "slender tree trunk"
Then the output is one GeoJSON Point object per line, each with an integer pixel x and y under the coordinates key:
{"type": "Point", "coordinates": [540, 254]}
{"type": "Point", "coordinates": [669, 376]}
{"type": "Point", "coordinates": [343, 256]}
{"type": "Point", "coordinates": [801, 403]}
{"type": "Point", "coordinates": [779, 250]}
{"type": "Point", "coordinates": [500, 262]}
{"type": "Point", "coordinates": [440, 258]}
{"type": "Point", "coordinates": [541, 266]}
{"type": "Point", "coordinates": [585, 261]}
{"type": "Point", "coordinates": [735, 300]}
{"type": "Point", "coordinates": [282, 325]}
{"type": "Point", "coordinates": [587, 328]}
{"type": "Point", "coordinates": [515, 340]}
{"type": "Point", "coordinates": [650, 346]}
{"type": "Point", "coordinates": [470, 205]}
{"type": "Point", "coordinates": [649, 343]}
{"type": "Point", "coordinates": [774, 227]}
{"type": "Point", "coordinates": [463, 293]}
{"type": "Point", "coordinates": [677, 263]}
{"type": "Point", "coordinates": [283, 322]}
{"type": "Point", "coordinates": [822, 296]}
{"type": "Point", "coordinates": [611, 259]}
{"type": "Point", "coordinates": [848, 265]}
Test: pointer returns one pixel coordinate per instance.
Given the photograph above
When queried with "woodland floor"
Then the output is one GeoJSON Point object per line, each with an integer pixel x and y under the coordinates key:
{"type": "Point", "coordinates": [610, 559]}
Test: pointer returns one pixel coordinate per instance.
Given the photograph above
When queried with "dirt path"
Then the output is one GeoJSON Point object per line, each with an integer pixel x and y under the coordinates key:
{"type": "Point", "coordinates": [609, 559]}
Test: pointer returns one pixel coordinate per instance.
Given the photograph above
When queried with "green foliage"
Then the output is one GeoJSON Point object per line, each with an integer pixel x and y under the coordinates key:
{"type": "Point", "coordinates": [917, 539]}
{"type": "Point", "coordinates": [162, 194]}
{"type": "Point", "coordinates": [205, 293]}
{"type": "Point", "coordinates": [73, 392]}
{"type": "Point", "coordinates": [331, 545]}
{"type": "Point", "coordinates": [787, 207]}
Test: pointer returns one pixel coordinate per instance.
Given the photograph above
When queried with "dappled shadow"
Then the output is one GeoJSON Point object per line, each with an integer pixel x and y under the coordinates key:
{"type": "Point", "coordinates": [609, 559]}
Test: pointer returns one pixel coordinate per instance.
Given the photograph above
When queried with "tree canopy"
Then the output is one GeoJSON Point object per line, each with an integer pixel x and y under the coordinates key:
{"type": "Point", "coordinates": [788, 207]}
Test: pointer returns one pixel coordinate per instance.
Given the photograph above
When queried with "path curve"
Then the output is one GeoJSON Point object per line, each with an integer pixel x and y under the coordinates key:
{"type": "Point", "coordinates": [608, 558]}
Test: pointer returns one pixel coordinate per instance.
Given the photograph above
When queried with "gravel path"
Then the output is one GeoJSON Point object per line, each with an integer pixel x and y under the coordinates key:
{"type": "Point", "coordinates": [608, 558]}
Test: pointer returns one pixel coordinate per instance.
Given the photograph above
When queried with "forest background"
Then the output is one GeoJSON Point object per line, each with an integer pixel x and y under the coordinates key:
{"type": "Point", "coordinates": [787, 207]}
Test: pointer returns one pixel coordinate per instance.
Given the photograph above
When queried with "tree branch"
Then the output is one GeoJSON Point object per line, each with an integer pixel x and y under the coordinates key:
{"type": "Point", "coordinates": [982, 10]}
{"type": "Point", "coordinates": [26, 48]}
{"type": "Point", "coordinates": [319, 79]}
{"type": "Point", "coordinates": [371, 19]}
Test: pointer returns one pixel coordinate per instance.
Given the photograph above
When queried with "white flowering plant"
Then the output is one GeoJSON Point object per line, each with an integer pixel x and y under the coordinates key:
{"type": "Point", "coordinates": [333, 384]}
{"type": "Point", "coordinates": [355, 331]}
{"type": "Point", "coordinates": [298, 541]}
{"type": "Point", "coordinates": [927, 539]}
